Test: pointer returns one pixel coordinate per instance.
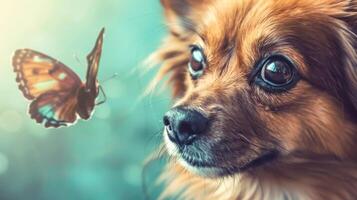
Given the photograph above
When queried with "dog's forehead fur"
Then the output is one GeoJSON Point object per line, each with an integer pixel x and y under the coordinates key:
{"type": "Point", "coordinates": [246, 30]}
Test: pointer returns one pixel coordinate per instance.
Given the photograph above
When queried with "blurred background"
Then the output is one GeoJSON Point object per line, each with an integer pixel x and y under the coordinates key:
{"type": "Point", "coordinates": [97, 159]}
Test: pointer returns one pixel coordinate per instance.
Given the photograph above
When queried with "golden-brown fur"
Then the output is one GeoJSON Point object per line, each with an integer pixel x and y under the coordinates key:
{"type": "Point", "coordinates": [312, 126]}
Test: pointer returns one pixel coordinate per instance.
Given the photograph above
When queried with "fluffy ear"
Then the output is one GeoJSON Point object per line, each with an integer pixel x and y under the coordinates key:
{"type": "Point", "coordinates": [180, 14]}
{"type": "Point", "coordinates": [173, 55]}
{"type": "Point", "coordinates": [351, 74]}
{"type": "Point", "coordinates": [350, 18]}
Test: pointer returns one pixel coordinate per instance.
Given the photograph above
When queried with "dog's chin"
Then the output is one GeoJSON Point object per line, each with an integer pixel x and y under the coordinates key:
{"type": "Point", "coordinates": [201, 168]}
{"type": "Point", "coordinates": [207, 171]}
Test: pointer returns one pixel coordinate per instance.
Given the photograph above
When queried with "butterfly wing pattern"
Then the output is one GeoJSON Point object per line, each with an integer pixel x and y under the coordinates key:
{"type": "Point", "coordinates": [55, 108]}
{"type": "Point", "coordinates": [50, 84]}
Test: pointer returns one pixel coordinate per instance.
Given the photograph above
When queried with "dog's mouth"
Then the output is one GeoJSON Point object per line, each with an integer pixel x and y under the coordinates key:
{"type": "Point", "coordinates": [205, 164]}
{"type": "Point", "coordinates": [215, 170]}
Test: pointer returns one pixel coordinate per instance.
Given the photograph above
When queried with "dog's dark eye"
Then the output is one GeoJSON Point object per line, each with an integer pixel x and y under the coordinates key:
{"type": "Point", "coordinates": [277, 74]}
{"type": "Point", "coordinates": [197, 62]}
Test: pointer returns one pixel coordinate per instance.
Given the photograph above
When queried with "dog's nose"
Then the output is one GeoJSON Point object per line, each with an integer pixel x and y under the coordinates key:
{"type": "Point", "coordinates": [183, 125]}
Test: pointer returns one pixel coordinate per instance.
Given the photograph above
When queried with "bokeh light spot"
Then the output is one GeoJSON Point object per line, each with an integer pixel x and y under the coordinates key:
{"type": "Point", "coordinates": [132, 174]}
{"type": "Point", "coordinates": [11, 121]}
{"type": "Point", "coordinates": [4, 163]}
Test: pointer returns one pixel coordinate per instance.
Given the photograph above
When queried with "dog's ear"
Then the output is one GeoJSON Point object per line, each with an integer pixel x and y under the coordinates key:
{"type": "Point", "coordinates": [174, 53]}
{"type": "Point", "coordinates": [180, 13]}
{"type": "Point", "coordinates": [350, 18]}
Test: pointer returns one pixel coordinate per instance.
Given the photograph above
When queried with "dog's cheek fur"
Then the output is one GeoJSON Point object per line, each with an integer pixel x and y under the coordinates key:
{"type": "Point", "coordinates": [311, 126]}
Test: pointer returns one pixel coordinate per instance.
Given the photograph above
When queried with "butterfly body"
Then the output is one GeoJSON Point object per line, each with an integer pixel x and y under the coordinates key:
{"type": "Point", "coordinates": [87, 99]}
{"type": "Point", "coordinates": [57, 93]}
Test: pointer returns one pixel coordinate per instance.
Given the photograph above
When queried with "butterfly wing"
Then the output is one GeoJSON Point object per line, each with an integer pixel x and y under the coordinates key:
{"type": "Point", "coordinates": [37, 73]}
{"type": "Point", "coordinates": [51, 85]}
{"type": "Point", "coordinates": [88, 94]}
{"type": "Point", "coordinates": [93, 60]}
{"type": "Point", "coordinates": [55, 109]}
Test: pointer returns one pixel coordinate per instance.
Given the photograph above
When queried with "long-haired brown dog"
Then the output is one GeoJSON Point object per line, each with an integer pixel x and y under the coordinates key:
{"type": "Point", "coordinates": [265, 99]}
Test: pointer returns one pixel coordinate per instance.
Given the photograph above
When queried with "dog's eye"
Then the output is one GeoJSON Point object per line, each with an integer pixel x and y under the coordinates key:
{"type": "Point", "coordinates": [197, 62]}
{"type": "Point", "coordinates": [277, 74]}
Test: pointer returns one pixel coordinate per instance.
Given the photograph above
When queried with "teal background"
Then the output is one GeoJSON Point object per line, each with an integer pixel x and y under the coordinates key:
{"type": "Point", "coordinates": [97, 159]}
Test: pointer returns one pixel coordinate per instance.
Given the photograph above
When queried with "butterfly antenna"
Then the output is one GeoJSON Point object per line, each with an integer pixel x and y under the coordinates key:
{"type": "Point", "coordinates": [110, 78]}
{"type": "Point", "coordinates": [102, 90]}
{"type": "Point", "coordinates": [77, 59]}
{"type": "Point", "coordinates": [104, 95]}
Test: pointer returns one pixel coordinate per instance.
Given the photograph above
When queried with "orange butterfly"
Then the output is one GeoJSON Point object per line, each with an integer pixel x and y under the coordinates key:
{"type": "Point", "coordinates": [58, 95]}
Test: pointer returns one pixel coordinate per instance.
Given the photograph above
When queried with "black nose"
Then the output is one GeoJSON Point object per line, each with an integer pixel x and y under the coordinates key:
{"type": "Point", "coordinates": [183, 125]}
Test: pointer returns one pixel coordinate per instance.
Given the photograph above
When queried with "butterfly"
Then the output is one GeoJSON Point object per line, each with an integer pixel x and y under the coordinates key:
{"type": "Point", "coordinates": [57, 93]}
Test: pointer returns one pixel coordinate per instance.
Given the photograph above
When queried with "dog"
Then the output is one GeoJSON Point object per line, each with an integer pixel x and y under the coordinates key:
{"type": "Point", "coordinates": [265, 99]}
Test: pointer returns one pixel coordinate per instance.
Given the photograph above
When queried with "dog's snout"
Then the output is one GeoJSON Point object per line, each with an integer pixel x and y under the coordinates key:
{"type": "Point", "coordinates": [183, 125]}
